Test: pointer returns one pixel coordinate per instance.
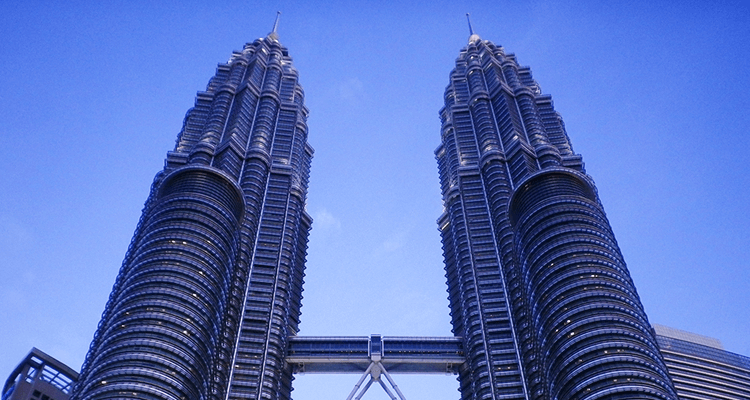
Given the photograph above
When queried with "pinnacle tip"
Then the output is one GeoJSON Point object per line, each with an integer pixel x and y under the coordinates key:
{"type": "Point", "coordinates": [276, 23]}
{"type": "Point", "coordinates": [273, 34]}
{"type": "Point", "coordinates": [473, 37]}
{"type": "Point", "coordinates": [468, 19]}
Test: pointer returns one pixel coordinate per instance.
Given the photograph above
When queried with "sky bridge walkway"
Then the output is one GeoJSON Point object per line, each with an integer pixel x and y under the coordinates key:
{"type": "Point", "coordinates": [375, 357]}
{"type": "Point", "coordinates": [354, 354]}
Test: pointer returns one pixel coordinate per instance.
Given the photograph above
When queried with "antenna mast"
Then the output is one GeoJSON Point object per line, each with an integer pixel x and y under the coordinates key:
{"type": "Point", "coordinates": [276, 23]}
{"type": "Point", "coordinates": [471, 30]}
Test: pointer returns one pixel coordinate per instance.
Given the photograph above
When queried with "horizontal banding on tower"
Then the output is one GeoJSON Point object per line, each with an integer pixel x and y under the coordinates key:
{"type": "Point", "coordinates": [591, 328]}
{"type": "Point", "coordinates": [161, 329]}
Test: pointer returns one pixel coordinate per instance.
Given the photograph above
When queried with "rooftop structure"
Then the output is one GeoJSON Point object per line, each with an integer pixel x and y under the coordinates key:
{"type": "Point", "coordinates": [39, 377]}
{"type": "Point", "coordinates": [700, 367]}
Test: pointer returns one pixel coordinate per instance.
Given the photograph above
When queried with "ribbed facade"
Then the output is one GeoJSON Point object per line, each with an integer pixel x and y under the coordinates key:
{"type": "Point", "coordinates": [210, 287]}
{"type": "Point", "coordinates": [702, 370]}
{"type": "Point", "coordinates": [537, 285]}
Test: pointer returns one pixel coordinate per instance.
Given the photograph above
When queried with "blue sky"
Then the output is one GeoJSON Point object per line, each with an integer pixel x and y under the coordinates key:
{"type": "Point", "coordinates": [653, 95]}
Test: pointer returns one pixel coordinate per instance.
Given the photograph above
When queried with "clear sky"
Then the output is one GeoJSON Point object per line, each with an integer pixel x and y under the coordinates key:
{"type": "Point", "coordinates": [654, 95]}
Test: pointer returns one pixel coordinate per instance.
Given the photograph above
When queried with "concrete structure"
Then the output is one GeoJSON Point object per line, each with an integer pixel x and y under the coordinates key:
{"type": "Point", "coordinates": [700, 367]}
{"type": "Point", "coordinates": [39, 377]}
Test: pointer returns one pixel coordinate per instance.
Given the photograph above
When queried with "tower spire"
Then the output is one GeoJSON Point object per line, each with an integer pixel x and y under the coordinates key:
{"type": "Point", "coordinates": [473, 37]}
{"type": "Point", "coordinates": [273, 35]}
{"type": "Point", "coordinates": [276, 23]}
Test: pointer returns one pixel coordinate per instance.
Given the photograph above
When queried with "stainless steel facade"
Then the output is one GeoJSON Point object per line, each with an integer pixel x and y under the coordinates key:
{"type": "Point", "coordinates": [209, 292]}
{"type": "Point", "coordinates": [538, 287]}
{"type": "Point", "coordinates": [210, 287]}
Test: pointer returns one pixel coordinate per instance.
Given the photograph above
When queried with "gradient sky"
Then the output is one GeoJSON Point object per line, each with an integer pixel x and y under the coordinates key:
{"type": "Point", "coordinates": [654, 95]}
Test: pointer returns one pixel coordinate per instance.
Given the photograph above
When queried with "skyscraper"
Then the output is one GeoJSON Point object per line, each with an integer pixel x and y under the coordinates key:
{"type": "Point", "coordinates": [211, 284]}
{"type": "Point", "coordinates": [538, 288]}
{"type": "Point", "coordinates": [207, 300]}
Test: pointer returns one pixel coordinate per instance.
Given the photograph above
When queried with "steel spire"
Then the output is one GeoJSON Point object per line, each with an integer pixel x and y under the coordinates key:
{"type": "Point", "coordinates": [276, 23]}
{"type": "Point", "coordinates": [273, 35]}
{"type": "Point", "coordinates": [471, 30]}
{"type": "Point", "coordinates": [473, 37]}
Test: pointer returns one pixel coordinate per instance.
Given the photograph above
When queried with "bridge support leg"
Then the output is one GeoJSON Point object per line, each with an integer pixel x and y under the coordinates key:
{"type": "Point", "coordinates": [359, 383]}
{"type": "Point", "coordinates": [391, 381]}
{"type": "Point", "coordinates": [374, 370]}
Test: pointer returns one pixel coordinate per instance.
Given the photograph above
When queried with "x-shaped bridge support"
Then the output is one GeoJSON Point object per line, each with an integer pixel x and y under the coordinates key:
{"type": "Point", "coordinates": [375, 371]}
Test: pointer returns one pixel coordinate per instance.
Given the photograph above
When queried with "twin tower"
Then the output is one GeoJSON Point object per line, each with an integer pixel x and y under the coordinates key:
{"type": "Point", "coordinates": [207, 302]}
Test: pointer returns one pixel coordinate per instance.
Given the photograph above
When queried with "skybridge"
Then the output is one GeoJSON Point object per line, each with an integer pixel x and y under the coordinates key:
{"type": "Point", "coordinates": [375, 356]}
